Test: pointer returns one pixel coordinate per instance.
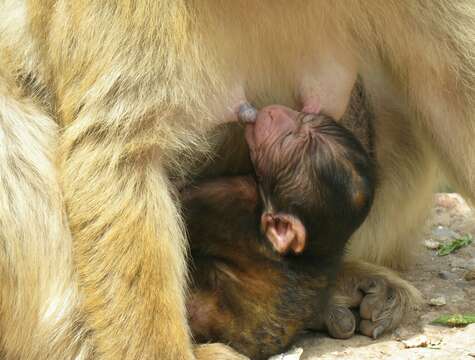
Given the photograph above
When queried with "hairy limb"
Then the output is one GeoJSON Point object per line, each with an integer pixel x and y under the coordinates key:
{"type": "Point", "coordinates": [129, 246]}
{"type": "Point", "coordinates": [39, 300]}
{"type": "Point", "coordinates": [447, 108]}
{"type": "Point", "coordinates": [380, 296]}
{"type": "Point", "coordinates": [435, 75]}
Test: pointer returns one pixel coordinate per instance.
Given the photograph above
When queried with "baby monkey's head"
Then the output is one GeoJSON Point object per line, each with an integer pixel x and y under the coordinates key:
{"type": "Point", "coordinates": [315, 178]}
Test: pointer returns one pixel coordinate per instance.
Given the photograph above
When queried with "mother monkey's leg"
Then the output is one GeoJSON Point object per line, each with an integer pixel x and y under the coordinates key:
{"type": "Point", "coordinates": [40, 314]}
{"type": "Point", "coordinates": [117, 74]}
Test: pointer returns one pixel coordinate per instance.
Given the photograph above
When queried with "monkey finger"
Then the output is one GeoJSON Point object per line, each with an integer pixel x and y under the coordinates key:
{"type": "Point", "coordinates": [378, 297]}
{"type": "Point", "coordinates": [380, 310]}
{"type": "Point", "coordinates": [376, 306]}
{"type": "Point", "coordinates": [371, 307]}
{"type": "Point", "coordinates": [372, 285]}
{"type": "Point", "coordinates": [340, 322]}
{"type": "Point", "coordinates": [374, 329]}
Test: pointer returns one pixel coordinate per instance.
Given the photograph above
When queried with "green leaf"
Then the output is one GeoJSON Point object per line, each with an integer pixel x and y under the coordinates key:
{"type": "Point", "coordinates": [455, 244]}
{"type": "Point", "coordinates": [455, 320]}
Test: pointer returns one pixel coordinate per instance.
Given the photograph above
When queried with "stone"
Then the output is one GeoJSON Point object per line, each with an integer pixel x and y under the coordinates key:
{"type": "Point", "coordinates": [453, 202]}
{"type": "Point", "coordinates": [438, 301]}
{"type": "Point", "coordinates": [293, 354]}
{"type": "Point", "coordinates": [469, 275]}
{"type": "Point", "coordinates": [431, 244]}
{"type": "Point", "coordinates": [446, 275]}
{"type": "Point", "coordinates": [470, 264]}
{"type": "Point", "coordinates": [442, 233]}
{"type": "Point", "coordinates": [460, 263]}
{"type": "Point", "coordinates": [446, 201]}
{"type": "Point", "coordinates": [416, 342]}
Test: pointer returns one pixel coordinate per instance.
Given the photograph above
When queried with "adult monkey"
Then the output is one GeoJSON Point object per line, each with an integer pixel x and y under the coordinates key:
{"type": "Point", "coordinates": [136, 84]}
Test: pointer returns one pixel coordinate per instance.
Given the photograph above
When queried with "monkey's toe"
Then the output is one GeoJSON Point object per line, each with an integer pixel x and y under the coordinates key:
{"type": "Point", "coordinates": [381, 308]}
{"type": "Point", "coordinates": [373, 329]}
{"type": "Point", "coordinates": [379, 298]}
{"type": "Point", "coordinates": [340, 322]}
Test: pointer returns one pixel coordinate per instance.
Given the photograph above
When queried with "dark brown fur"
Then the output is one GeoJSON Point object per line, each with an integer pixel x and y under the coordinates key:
{"type": "Point", "coordinates": [243, 290]}
{"type": "Point", "coordinates": [245, 294]}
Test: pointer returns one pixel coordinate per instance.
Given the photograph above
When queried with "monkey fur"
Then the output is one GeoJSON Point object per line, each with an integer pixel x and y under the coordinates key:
{"type": "Point", "coordinates": [316, 183]}
{"type": "Point", "coordinates": [103, 103]}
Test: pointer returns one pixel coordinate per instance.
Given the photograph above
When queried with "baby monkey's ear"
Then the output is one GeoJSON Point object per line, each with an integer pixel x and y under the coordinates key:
{"type": "Point", "coordinates": [285, 232]}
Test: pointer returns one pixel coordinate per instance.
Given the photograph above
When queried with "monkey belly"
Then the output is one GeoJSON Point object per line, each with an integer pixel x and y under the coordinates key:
{"type": "Point", "coordinates": [267, 62]}
{"type": "Point", "coordinates": [324, 86]}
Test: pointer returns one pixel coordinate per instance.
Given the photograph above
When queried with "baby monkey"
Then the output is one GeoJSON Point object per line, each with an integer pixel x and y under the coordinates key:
{"type": "Point", "coordinates": [267, 248]}
{"type": "Point", "coordinates": [315, 179]}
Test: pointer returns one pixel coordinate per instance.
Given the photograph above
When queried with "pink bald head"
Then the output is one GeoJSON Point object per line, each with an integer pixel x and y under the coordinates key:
{"type": "Point", "coordinates": [263, 129]}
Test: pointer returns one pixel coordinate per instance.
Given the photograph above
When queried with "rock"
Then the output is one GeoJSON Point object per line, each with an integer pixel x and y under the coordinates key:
{"type": "Point", "coordinates": [443, 219]}
{"type": "Point", "coordinates": [460, 263]}
{"type": "Point", "coordinates": [421, 341]}
{"type": "Point", "coordinates": [469, 275]}
{"type": "Point", "coordinates": [438, 301]}
{"type": "Point", "coordinates": [452, 202]}
{"type": "Point", "coordinates": [442, 233]}
{"type": "Point", "coordinates": [431, 244]}
{"type": "Point", "coordinates": [293, 354]}
{"type": "Point", "coordinates": [470, 264]}
{"type": "Point", "coordinates": [462, 285]}
{"type": "Point", "coordinates": [446, 201]}
{"type": "Point", "coordinates": [470, 250]}
{"type": "Point", "coordinates": [416, 342]}
{"type": "Point", "coordinates": [446, 275]}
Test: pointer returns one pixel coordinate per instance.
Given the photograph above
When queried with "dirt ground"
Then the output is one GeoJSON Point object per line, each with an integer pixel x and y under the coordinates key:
{"type": "Point", "coordinates": [449, 279]}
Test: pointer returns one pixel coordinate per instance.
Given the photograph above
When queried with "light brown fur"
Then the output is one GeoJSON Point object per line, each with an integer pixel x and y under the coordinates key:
{"type": "Point", "coordinates": [135, 85]}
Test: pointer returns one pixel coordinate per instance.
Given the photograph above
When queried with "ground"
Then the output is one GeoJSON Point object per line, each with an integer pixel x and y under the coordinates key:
{"type": "Point", "coordinates": [441, 279]}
